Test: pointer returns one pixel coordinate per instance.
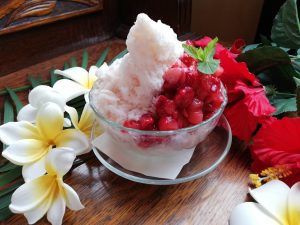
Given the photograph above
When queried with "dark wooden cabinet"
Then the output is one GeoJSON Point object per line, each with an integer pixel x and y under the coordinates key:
{"type": "Point", "coordinates": [32, 31]}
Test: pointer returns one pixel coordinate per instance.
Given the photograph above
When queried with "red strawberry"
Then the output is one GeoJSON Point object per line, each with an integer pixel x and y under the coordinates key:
{"type": "Point", "coordinates": [195, 117]}
{"type": "Point", "coordinates": [165, 106]}
{"type": "Point", "coordinates": [168, 123]}
{"type": "Point", "coordinates": [184, 97]}
{"type": "Point", "coordinates": [147, 122]}
{"type": "Point", "coordinates": [132, 124]}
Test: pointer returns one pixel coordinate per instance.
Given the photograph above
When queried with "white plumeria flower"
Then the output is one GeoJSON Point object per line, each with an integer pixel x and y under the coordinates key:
{"type": "Point", "coordinates": [48, 193]}
{"type": "Point", "coordinates": [37, 98]}
{"type": "Point", "coordinates": [86, 121]}
{"type": "Point", "coordinates": [81, 82]}
{"type": "Point", "coordinates": [277, 205]}
{"type": "Point", "coordinates": [29, 144]}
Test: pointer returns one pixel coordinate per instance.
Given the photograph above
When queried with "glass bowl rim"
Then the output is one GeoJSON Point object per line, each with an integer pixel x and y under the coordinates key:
{"type": "Point", "coordinates": [160, 133]}
{"type": "Point", "coordinates": [157, 181]}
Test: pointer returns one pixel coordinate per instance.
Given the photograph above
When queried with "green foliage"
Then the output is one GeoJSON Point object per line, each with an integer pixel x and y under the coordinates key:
{"type": "Point", "coordinates": [85, 59]}
{"type": "Point", "coordinates": [16, 100]}
{"type": "Point", "coordinates": [102, 57]}
{"type": "Point", "coordinates": [120, 55]}
{"type": "Point", "coordinates": [53, 77]}
{"type": "Point", "coordinates": [73, 61]}
{"type": "Point", "coordinates": [206, 62]}
{"type": "Point", "coordinates": [286, 27]}
{"type": "Point", "coordinates": [284, 105]}
{"type": "Point", "coordinates": [298, 100]}
{"type": "Point", "coordinates": [274, 63]}
{"type": "Point", "coordinates": [34, 82]}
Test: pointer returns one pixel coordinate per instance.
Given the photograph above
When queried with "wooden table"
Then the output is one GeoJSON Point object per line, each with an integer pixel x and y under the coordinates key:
{"type": "Point", "coordinates": [110, 199]}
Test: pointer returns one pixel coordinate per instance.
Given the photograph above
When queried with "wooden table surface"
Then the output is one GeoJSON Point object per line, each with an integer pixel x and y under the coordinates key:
{"type": "Point", "coordinates": [110, 199]}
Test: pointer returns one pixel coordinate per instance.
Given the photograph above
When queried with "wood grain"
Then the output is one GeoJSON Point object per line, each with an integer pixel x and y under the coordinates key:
{"type": "Point", "coordinates": [110, 199]}
{"type": "Point", "coordinates": [20, 15]}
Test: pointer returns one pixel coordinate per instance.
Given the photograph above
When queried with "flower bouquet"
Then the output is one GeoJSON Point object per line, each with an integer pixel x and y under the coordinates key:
{"type": "Point", "coordinates": [183, 90]}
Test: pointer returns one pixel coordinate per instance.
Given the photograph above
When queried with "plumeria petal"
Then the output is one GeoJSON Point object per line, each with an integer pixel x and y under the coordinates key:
{"type": "Point", "coordinates": [31, 194]}
{"type": "Point", "coordinates": [273, 196]}
{"type": "Point", "coordinates": [34, 170]}
{"type": "Point", "coordinates": [250, 213]}
{"type": "Point", "coordinates": [25, 151]}
{"type": "Point", "coordinates": [57, 210]}
{"type": "Point", "coordinates": [38, 212]}
{"type": "Point", "coordinates": [77, 74]}
{"type": "Point", "coordinates": [72, 199]}
{"type": "Point", "coordinates": [59, 161]}
{"type": "Point", "coordinates": [73, 115]}
{"type": "Point", "coordinates": [27, 113]}
{"type": "Point", "coordinates": [294, 204]}
{"type": "Point", "coordinates": [43, 94]}
{"type": "Point", "coordinates": [87, 97]}
{"type": "Point", "coordinates": [69, 89]}
{"type": "Point", "coordinates": [67, 122]}
{"type": "Point", "coordinates": [92, 76]}
{"type": "Point", "coordinates": [86, 120]}
{"type": "Point", "coordinates": [50, 120]}
{"type": "Point", "coordinates": [74, 139]}
{"type": "Point", "coordinates": [14, 131]}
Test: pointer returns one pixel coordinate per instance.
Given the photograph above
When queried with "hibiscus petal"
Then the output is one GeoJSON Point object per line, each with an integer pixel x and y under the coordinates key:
{"type": "Point", "coordinates": [15, 131]}
{"type": "Point", "coordinates": [59, 161]}
{"type": "Point", "coordinates": [34, 170]}
{"type": "Point", "coordinates": [25, 151]}
{"type": "Point", "coordinates": [294, 204]}
{"type": "Point", "coordinates": [273, 196]}
{"type": "Point", "coordinates": [27, 113]}
{"type": "Point", "coordinates": [250, 213]}
{"type": "Point", "coordinates": [242, 122]}
{"type": "Point", "coordinates": [43, 94]}
{"type": "Point", "coordinates": [72, 199]}
{"type": "Point", "coordinates": [74, 139]}
{"type": "Point", "coordinates": [31, 194]}
{"type": "Point", "coordinates": [57, 210]}
{"type": "Point", "coordinates": [50, 120]}
{"type": "Point", "coordinates": [69, 89]}
{"type": "Point", "coordinates": [77, 74]}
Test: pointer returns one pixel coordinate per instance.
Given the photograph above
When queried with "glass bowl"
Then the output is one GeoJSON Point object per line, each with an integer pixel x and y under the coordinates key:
{"type": "Point", "coordinates": [207, 156]}
{"type": "Point", "coordinates": [158, 142]}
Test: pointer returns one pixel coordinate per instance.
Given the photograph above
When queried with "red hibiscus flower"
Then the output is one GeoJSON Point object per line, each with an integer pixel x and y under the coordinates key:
{"type": "Point", "coordinates": [278, 144]}
{"type": "Point", "coordinates": [238, 46]}
{"type": "Point", "coordinates": [248, 105]}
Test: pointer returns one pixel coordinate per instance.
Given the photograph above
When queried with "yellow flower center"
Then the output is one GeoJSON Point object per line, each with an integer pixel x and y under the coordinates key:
{"type": "Point", "coordinates": [271, 173]}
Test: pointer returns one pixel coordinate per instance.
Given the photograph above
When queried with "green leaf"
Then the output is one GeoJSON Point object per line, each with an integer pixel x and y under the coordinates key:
{"type": "Point", "coordinates": [66, 65]}
{"type": "Point", "coordinates": [10, 189]}
{"type": "Point", "coordinates": [192, 51]}
{"type": "Point", "coordinates": [33, 81]}
{"type": "Point", "coordinates": [120, 55]}
{"type": "Point", "coordinates": [298, 100]}
{"type": "Point", "coordinates": [85, 59]}
{"type": "Point", "coordinates": [209, 66]}
{"type": "Point", "coordinates": [7, 167]}
{"type": "Point", "coordinates": [73, 61]}
{"type": "Point", "coordinates": [284, 105]}
{"type": "Point", "coordinates": [5, 201]}
{"type": "Point", "coordinates": [102, 57]}
{"type": "Point", "coordinates": [8, 115]}
{"type": "Point", "coordinates": [53, 77]}
{"type": "Point", "coordinates": [297, 81]}
{"type": "Point", "coordinates": [286, 27]}
{"type": "Point", "coordinates": [274, 63]}
{"type": "Point", "coordinates": [210, 49]}
{"type": "Point", "coordinates": [11, 175]}
{"type": "Point", "coordinates": [16, 100]}
{"type": "Point", "coordinates": [5, 213]}
{"type": "Point", "coordinates": [265, 41]}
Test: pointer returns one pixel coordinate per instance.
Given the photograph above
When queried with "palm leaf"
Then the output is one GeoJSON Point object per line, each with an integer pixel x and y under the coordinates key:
{"type": "Point", "coordinates": [34, 82]}
{"type": "Point", "coordinates": [73, 61]}
{"type": "Point", "coordinates": [120, 55]}
{"type": "Point", "coordinates": [10, 176]}
{"type": "Point", "coordinates": [66, 65]}
{"type": "Point", "coordinates": [16, 100]}
{"type": "Point", "coordinates": [85, 59]}
{"type": "Point", "coordinates": [102, 57]}
{"type": "Point", "coordinates": [53, 77]}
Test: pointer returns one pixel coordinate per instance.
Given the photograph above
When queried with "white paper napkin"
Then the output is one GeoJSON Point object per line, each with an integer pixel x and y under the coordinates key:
{"type": "Point", "coordinates": [166, 166]}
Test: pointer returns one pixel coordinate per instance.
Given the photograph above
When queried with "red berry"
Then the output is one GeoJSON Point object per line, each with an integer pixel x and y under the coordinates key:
{"type": "Point", "coordinates": [182, 121]}
{"type": "Point", "coordinates": [219, 71]}
{"type": "Point", "coordinates": [165, 106]}
{"type": "Point", "coordinates": [188, 60]}
{"type": "Point", "coordinates": [147, 122]}
{"type": "Point", "coordinates": [178, 64]}
{"type": "Point", "coordinates": [132, 124]}
{"type": "Point", "coordinates": [174, 77]}
{"type": "Point", "coordinates": [195, 117]}
{"type": "Point", "coordinates": [196, 105]}
{"type": "Point", "coordinates": [168, 123]}
{"type": "Point", "coordinates": [184, 97]}
{"type": "Point", "coordinates": [193, 79]}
